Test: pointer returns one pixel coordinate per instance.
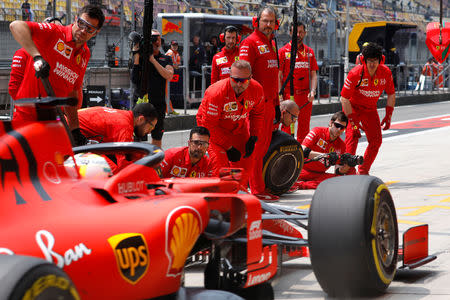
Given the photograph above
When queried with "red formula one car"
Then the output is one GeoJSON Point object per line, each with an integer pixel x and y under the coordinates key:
{"type": "Point", "coordinates": [131, 235]}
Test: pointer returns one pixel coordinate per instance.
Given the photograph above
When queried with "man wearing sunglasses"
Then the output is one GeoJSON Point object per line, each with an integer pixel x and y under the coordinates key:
{"type": "Point", "coordinates": [289, 113]}
{"type": "Point", "coordinates": [108, 125]}
{"type": "Point", "coordinates": [190, 161]}
{"type": "Point", "coordinates": [60, 54]}
{"type": "Point", "coordinates": [319, 141]}
{"type": "Point", "coordinates": [259, 49]}
{"type": "Point", "coordinates": [359, 96]}
{"type": "Point", "coordinates": [233, 111]}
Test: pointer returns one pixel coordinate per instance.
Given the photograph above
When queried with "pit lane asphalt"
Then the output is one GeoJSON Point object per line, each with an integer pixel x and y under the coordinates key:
{"type": "Point", "coordinates": [415, 166]}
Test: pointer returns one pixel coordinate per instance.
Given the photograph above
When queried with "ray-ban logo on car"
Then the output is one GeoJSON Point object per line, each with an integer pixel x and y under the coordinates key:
{"type": "Point", "coordinates": [131, 252]}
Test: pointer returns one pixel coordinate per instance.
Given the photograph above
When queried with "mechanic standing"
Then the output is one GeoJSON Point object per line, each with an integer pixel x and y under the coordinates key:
{"type": "Point", "coordinates": [359, 96]}
{"type": "Point", "coordinates": [190, 161]}
{"type": "Point", "coordinates": [233, 111]}
{"type": "Point", "coordinates": [107, 125]}
{"type": "Point", "coordinates": [321, 140]}
{"type": "Point", "coordinates": [59, 53]}
{"type": "Point", "coordinates": [259, 49]}
{"type": "Point", "coordinates": [305, 79]}
{"type": "Point", "coordinates": [160, 71]}
{"type": "Point", "coordinates": [221, 62]}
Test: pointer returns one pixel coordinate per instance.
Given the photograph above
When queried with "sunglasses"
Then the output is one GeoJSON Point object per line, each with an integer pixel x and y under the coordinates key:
{"type": "Point", "coordinates": [293, 117]}
{"type": "Point", "coordinates": [339, 126]}
{"type": "Point", "coordinates": [85, 25]}
{"type": "Point", "coordinates": [199, 143]}
{"type": "Point", "coordinates": [241, 80]}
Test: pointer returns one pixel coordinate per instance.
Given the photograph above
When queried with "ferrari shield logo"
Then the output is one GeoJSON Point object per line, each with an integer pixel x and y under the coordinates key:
{"type": "Point", "coordinates": [375, 81]}
{"type": "Point", "coordinates": [246, 104]}
{"type": "Point", "coordinates": [193, 174]}
{"type": "Point", "coordinates": [131, 252]}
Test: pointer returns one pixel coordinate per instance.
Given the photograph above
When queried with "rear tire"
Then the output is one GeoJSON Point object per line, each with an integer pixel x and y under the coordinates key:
{"type": "Point", "coordinates": [283, 163]}
{"type": "Point", "coordinates": [353, 236]}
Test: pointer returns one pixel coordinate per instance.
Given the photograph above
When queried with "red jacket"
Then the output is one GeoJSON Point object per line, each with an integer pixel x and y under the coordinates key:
{"type": "Point", "coordinates": [366, 95]}
{"type": "Point", "coordinates": [20, 60]}
{"type": "Point", "coordinates": [177, 163]}
{"type": "Point", "coordinates": [262, 56]}
{"type": "Point", "coordinates": [304, 63]}
{"type": "Point", "coordinates": [221, 63]}
{"type": "Point", "coordinates": [226, 116]}
{"type": "Point", "coordinates": [108, 125]}
{"type": "Point", "coordinates": [68, 65]}
{"type": "Point", "coordinates": [318, 139]}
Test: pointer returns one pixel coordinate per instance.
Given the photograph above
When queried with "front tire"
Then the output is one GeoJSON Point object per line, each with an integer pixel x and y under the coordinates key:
{"type": "Point", "coordinates": [353, 236]}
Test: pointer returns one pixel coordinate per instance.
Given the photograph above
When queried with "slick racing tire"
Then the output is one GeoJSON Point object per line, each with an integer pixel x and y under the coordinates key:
{"type": "Point", "coordinates": [353, 236]}
{"type": "Point", "coordinates": [283, 163]}
{"type": "Point", "coordinates": [25, 277]}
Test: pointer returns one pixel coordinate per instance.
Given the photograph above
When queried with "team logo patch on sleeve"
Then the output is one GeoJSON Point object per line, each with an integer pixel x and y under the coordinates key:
{"type": "Point", "coordinates": [63, 49]}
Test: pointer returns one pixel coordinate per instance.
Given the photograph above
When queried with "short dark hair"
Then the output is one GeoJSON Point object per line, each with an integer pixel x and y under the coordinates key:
{"type": "Point", "coordinates": [145, 109]}
{"type": "Point", "coordinates": [299, 23]}
{"type": "Point", "coordinates": [94, 12]}
{"type": "Point", "coordinates": [200, 130]}
{"type": "Point", "coordinates": [231, 29]}
{"type": "Point", "coordinates": [340, 116]}
{"type": "Point", "coordinates": [269, 8]}
{"type": "Point", "coordinates": [372, 50]}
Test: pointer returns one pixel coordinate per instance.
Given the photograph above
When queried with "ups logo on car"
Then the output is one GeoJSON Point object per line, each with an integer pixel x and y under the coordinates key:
{"type": "Point", "coordinates": [131, 252]}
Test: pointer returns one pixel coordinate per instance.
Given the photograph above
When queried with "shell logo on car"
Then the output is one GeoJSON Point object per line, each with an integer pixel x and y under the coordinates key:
{"type": "Point", "coordinates": [131, 252]}
{"type": "Point", "coordinates": [183, 226]}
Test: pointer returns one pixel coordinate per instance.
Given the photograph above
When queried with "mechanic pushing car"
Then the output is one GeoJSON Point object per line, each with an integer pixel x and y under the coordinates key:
{"type": "Point", "coordinates": [191, 160]}
{"type": "Point", "coordinates": [259, 49]}
{"type": "Point", "coordinates": [305, 79]}
{"type": "Point", "coordinates": [359, 96]}
{"type": "Point", "coordinates": [320, 141]}
{"type": "Point", "coordinates": [104, 124]}
{"type": "Point", "coordinates": [59, 53]}
{"type": "Point", "coordinates": [221, 62]}
{"type": "Point", "coordinates": [233, 111]}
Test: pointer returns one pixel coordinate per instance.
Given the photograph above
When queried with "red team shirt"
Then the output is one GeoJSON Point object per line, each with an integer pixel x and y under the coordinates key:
{"type": "Point", "coordinates": [221, 63]}
{"type": "Point", "coordinates": [304, 62]}
{"type": "Point", "coordinates": [318, 139]}
{"type": "Point", "coordinates": [19, 62]}
{"type": "Point", "coordinates": [261, 54]}
{"type": "Point", "coordinates": [366, 96]}
{"type": "Point", "coordinates": [222, 113]}
{"type": "Point", "coordinates": [68, 65]}
{"type": "Point", "coordinates": [108, 125]}
{"type": "Point", "coordinates": [177, 163]}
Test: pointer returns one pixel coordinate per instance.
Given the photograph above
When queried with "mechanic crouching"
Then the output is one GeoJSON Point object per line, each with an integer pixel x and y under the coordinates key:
{"type": "Point", "coordinates": [105, 125]}
{"type": "Point", "coordinates": [191, 160]}
{"type": "Point", "coordinates": [233, 111]}
{"type": "Point", "coordinates": [324, 147]}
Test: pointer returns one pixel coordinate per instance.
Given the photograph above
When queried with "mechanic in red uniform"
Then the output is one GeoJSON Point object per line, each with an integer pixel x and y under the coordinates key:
{"type": "Point", "coordinates": [59, 53]}
{"type": "Point", "coordinates": [19, 62]}
{"type": "Point", "coordinates": [233, 111]}
{"type": "Point", "coordinates": [305, 79]}
{"type": "Point", "coordinates": [107, 125]}
{"type": "Point", "coordinates": [359, 96]}
{"type": "Point", "coordinates": [322, 140]}
{"type": "Point", "coordinates": [289, 114]}
{"type": "Point", "coordinates": [221, 62]}
{"type": "Point", "coordinates": [189, 161]}
{"type": "Point", "coordinates": [259, 50]}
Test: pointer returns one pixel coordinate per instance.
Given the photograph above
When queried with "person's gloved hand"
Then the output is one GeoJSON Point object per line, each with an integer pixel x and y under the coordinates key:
{"type": "Point", "coordinates": [354, 120]}
{"type": "Point", "coordinates": [333, 158]}
{"type": "Point", "coordinates": [78, 138]}
{"type": "Point", "coordinates": [387, 118]}
{"type": "Point", "coordinates": [233, 154]}
{"type": "Point", "coordinates": [277, 114]}
{"type": "Point", "coordinates": [250, 146]}
{"type": "Point", "coordinates": [41, 67]}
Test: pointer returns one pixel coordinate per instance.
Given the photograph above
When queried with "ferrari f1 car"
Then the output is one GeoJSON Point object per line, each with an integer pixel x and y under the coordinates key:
{"type": "Point", "coordinates": [131, 235]}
